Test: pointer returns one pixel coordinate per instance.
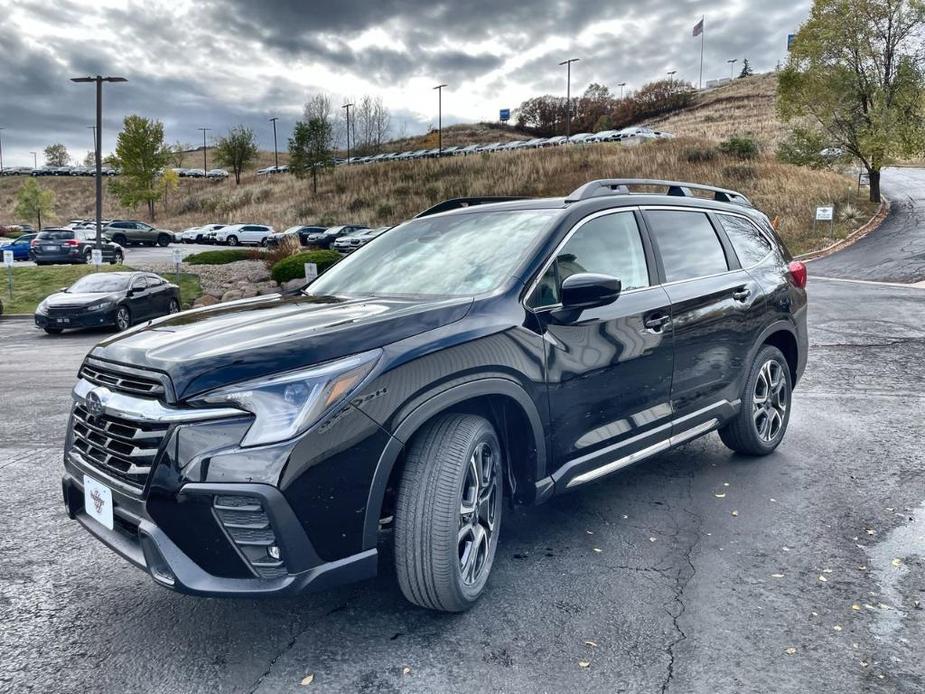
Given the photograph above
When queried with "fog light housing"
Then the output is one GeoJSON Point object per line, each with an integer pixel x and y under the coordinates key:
{"type": "Point", "coordinates": [274, 552]}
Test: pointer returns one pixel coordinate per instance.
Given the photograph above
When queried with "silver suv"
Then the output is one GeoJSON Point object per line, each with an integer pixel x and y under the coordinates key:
{"type": "Point", "coordinates": [129, 232]}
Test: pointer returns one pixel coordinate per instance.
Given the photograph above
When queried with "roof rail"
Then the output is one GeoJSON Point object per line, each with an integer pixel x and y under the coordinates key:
{"type": "Point", "coordinates": [459, 203]}
{"type": "Point", "coordinates": [621, 186]}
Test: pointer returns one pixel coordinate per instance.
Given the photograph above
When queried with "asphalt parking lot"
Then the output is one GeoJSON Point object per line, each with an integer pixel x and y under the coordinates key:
{"type": "Point", "coordinates": [146, 255]}
{"type": "Point", "coordinates": [715, 573]}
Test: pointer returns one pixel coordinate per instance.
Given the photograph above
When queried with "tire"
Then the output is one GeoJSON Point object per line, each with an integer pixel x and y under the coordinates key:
{"type": "Point", "coordinates": [263, 242]}
{"type": "Point", "coordinates": [123, 318]}
{"type": "Point", "coordinates": [120, 240]}
{"type": "Point", "coordinates": [174, 306]}
{"type": "Point", "coordinates": [761, 423]}
{"type": "Point", "coordinates": [117, 258]}
{"type": "Point", "coordinates": [53, 331]}
{"type": "Point", "coordinates": [232, 241]}
{"type": "Point", "coordinates": [163, 240]}
{"type": "Point", "coordinates": [441, 476]}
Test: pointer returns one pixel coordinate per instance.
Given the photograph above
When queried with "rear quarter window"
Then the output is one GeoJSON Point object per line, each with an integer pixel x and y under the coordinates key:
{"type": "Point", "coordinates": [751, 246]}
{"type": "Point", "coordinates": [687, 243]}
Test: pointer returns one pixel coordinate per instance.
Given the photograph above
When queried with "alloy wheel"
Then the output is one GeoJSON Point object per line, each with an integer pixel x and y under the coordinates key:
{"type": "Point", "coordinates": [174, 306]}
{"type": "Point", "coordinates": [478, 512]}
{"type": "Point", "coordinates": [769, 401]}
{"type": "Point", "coordinates": [123, 319]}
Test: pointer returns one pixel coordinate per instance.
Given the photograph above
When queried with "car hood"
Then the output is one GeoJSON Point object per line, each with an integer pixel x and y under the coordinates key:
{"type": "Point", "coordinates": [227, 343]}
{"type": "Point", "coordinates": [61, 299]}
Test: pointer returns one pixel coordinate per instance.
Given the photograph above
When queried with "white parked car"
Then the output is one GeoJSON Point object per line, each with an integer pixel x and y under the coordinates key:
{"type": "Point", "coordinates": [243, 235]}
{"type": "Point", "coordinates": [202, 234]}
{"type": "Point", "coordinates": [216, 173]}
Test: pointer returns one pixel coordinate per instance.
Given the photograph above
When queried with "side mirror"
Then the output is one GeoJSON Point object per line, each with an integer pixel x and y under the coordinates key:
{"type": "Point", "coordinates": [585, 290]}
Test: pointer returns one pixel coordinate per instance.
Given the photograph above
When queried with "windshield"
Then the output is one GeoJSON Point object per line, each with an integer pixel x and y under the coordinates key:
{"type": "Point", "coordinates": [99, 283]}
{"type": "Point", "coordinates": [56, 235]}
{"type": "Point", "coordinates": [457, 255]}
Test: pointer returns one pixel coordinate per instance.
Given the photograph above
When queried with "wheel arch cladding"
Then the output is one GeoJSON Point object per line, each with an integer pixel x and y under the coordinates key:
{"type": "Point", "coordinates": [786, 342]}
{"type": "Point", "coordinates": [505, 405]}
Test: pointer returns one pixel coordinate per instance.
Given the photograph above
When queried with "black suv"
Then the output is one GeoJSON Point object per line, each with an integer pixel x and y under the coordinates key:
{"type": "Point", "coordinates": [72, 246]}
{"type": "Point", "coordinates": [493, 354]}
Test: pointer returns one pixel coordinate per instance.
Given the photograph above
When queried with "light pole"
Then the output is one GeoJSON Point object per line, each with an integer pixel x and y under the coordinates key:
{"type": "Point", "coordinates": [346, 107]}
{"type": "Point", "coordinates": [93, 128]}
{"type": "Point", "coordinates": [621, 85]}
{"type": "Point", "coordinates": [1, 151]}
{"type": "Point", "coordinates": [205, 161]}
{"type": "Point", "coordinates": [671, 74]}
{"type": "Point", "coordinates": [732, 62]}
{"type": "Point", "coordinates": [35, 160]}
{"type": "Point", "coordinates": [275, 152]}
{"type": "Point", "coordinates": [568, 95]}
{"type": "Point", "coordinates": [439, 89]}
{"type": "Point", "coordinates": [98, 154]}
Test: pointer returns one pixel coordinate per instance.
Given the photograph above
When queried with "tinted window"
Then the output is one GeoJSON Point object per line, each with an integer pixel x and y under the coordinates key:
{"type": "Point", "coordinates": [687, 243]}
{"type": "Point", "coordinates": [101, 282]}
{"type": "Point", "coordinates": [608, 245]}
{"type": "Point", "coordinates": [56, 235]}
{"type": "Point", "coordinates": [154, 280]}
{"type": "Point", "coordinates": [749, 243]}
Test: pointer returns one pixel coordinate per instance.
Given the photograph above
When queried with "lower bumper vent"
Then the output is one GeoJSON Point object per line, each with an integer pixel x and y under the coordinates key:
{"type": "Point", "coordinates": [248, 526]}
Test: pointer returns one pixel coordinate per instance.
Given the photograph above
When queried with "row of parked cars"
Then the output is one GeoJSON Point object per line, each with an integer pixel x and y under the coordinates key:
{"type": "Point", "coordinates": [58, 171]}
{"type": "Point", "coordinates": [344, 238]}
{"type": "Point", "coordinates": [200, 173]}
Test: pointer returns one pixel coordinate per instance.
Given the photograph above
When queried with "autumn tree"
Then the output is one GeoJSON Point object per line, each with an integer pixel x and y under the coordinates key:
{"type": "Point", "coordinates": [57, 155]}
{"type": "Point", "coordinates": [855, 75]}
{"type": "Point", "coordinates": [310, 149]}
{"type": "Point", "coordinates": [746, 69]}
{"type": "Point", "coordinates": [34, 202]}
{"type": "Point", "coordinates": [141, 155]}
{"type": "Point", "coordinates": [236, 150]}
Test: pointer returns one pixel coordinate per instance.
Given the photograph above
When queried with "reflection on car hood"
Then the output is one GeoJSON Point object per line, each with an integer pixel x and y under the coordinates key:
{"type": "Point", "coordinates": [228, 343]}
{"type": "Point", "coordinates": [61, 299]}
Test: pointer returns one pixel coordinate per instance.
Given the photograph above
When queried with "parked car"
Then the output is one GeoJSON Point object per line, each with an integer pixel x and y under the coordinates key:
{"type": "Point", "coordinates": [127, 232]}
{"type": "Point", "coordinates": [300, 232]}
{"type": "Point", "coordinates": [120, 299]}
{"type": "Point", "coordinates": [217, 173]}
{"type": "Point", "coordinates": [348, 243]}
{"type": "Point", "coordinates": [20, 246]}
{"type": "Point", "coordinates": [325, 239]}
{"type": "Point", "coordinates": [490, 355]}
{"type": "Point", "coordinates": [56, 246]}
{"type": "Point", "coordinates": [242, 235]}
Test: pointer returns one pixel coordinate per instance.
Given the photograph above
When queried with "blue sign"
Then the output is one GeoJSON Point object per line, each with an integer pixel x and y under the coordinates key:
{"type": "Point", "coordinates": [505, 114]}
{"type": "Point", "coordinates": [790, 38]}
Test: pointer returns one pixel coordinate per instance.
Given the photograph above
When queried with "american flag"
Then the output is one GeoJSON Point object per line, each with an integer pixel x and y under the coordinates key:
{"type": "Point", "coordinates": [698, 28]}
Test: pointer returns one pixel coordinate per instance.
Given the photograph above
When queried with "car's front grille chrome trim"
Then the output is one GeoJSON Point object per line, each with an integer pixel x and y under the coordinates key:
{"type": "Point", "coordinates": [123, 379]}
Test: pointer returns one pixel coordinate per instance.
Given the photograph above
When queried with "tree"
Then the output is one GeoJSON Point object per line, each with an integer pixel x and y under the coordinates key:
{"type": "Point", "coordinates": [178, 152]}
{"type": "Point", "coordinates": [371, 124]}
{"type": "Point", "coordinates": [141, 155]}
{"type": "Point", "coordinates": [855, 74]}
{"type": "Point", "coordinates": [310, 149]}
{"type": "Point", "coordinates": [34, 202]}
{"type": "Point", "coordinates": [746, 69]}
{"type": "Point", "coordinates": [56, 155]}
{"type": "Point", "coordinates": [168, 182]}
{"type": "Point", "coordinates": [236, 150]}
{"type": "Point", "coordinates": [90, 160]}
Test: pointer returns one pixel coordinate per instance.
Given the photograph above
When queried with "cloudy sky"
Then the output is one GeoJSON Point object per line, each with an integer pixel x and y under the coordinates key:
{"type": "Point", "coordinates": [217, 63]}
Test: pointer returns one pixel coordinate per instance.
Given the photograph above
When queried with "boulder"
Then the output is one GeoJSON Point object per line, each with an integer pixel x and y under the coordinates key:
{"type": "Point", "coordinates": [205, 300]}
{"type": "Point", "coordinates": [248, 292]}
{"type": "Point", "coordinates": [293, 285]}
{"type": "Point", "coordinates": [232, 294]}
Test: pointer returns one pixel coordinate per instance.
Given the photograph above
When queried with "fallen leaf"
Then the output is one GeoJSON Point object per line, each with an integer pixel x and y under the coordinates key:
{"type": "Point", "coordinates": [307, 680]}
{"type": "Point", "coordinates": [869, 531]}
{"type": "Point", "coordinates": [837, 628]}
{"type": "Point", "coordinates": [406, 670]}
{"type": "Point", "coordinates": [814, 614]}
{"type": "Point", "coordinates": [864, 663]}
{"type": "Point", "coordinates": [897, 562]}
{"type": "Point", "coordinates": [823, 579]}
{"type": "Point", "coordinates": [862, 568]}
{"type": "Point", "coordinates": [590, 532]}
{"type": "Point", "coordinates": [598, 549]}
{"type": "Point", "coordinates": [856, 607]}
{"type": "Point", "coordinates": [725, 484]}
{"type": "Point", "coordinates": [735, 513]}
{"type": "Point", "coordinates": [773, 499]}
{"type": "Point", "coordinates": [591, 644]}
{"type": "Point", "coordinates": [720, 495]}
{"type": "Point", "coordinates": [652, 539]}
{"type": "Point", "coordinates": [869, 607]}
{"type": "Point", "coordinates": [827, 571]}
{"type": "Point", "coordinates": [790, 651]}
{"type": "Point", "coordinates": [584, 663]}
{"type": "Point", "coordinates": [786, 549]}
{"type": "Point", "coordinates": [777, 575]}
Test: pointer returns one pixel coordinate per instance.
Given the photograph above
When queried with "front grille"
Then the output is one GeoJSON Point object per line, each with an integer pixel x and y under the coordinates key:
{"type": "Point", "coordinates": [248, 526]}
{"type": "Point", "coordinates": [121, 449]}
{"type": "Point", "coordinates": [63, 310]}
{"type": "Point", "coordinates": [127, 382]}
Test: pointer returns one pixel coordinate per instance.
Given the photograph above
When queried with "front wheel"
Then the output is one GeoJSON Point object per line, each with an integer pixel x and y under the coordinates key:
{"type": "Point", "coordinates": [762, 420]}
{"type": "Point", "coordinates": [117, 258]}
{"type": "Point", "coordinates": [448, 512]}
{"type": "Point", "coordinates": [232, 240]}
{"type": "Point", "coordinates": [174, 306]}
{"type": "Point", "coordinates": [123, 318]}
{"type": "Point", "coordinates": [163, 240]}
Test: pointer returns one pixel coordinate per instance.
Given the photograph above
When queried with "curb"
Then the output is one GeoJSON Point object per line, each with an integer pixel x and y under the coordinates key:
{"type": "Point", "coordinates": [16, 316]}
{"type": "Point", "coordinates": [853, 237]}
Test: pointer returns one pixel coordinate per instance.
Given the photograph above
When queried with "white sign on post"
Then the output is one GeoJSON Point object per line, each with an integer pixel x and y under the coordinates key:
{"type": "Point", "coordinates": [311, 271]}
{"type": "Point", "coordinates": [96, 257]}
{"type": "Point", "coordinates": [177, 256]}
{"type": "Point", "coordinates": [825, 214]}
{"type": "Point", "coordinates": [8, 258]}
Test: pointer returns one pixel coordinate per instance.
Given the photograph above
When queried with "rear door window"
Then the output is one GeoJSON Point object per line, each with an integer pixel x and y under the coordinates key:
{"type": "Point", "coordinates": [687, 244]}
{"type": "Point", "coordinates": [751, 246]}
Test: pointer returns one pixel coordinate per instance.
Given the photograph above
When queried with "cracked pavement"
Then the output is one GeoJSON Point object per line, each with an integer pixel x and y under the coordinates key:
{"type": "Point", "coordinates": [710, 567]}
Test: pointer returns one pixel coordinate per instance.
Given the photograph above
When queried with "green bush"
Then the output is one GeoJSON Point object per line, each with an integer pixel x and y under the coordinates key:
{"type": "Point", "coordinates": [740, 147]}
{"type": "Point", "coordinates": [699, 155]}
{"type": "Point", "coordinates": [223, 257]}
{"type": "Point", "coordinates": [293, 267]}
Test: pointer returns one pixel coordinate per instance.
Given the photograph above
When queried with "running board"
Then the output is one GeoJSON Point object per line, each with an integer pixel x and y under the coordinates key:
{"type": "Point", "coordinates": [647, 452]}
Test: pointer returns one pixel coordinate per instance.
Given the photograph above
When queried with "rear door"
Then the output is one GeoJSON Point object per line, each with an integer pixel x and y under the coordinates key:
{"type": "Point", "coordinates": [711, 304]}
{"type": "Point", "coordinates": [609, 370]}
{"type": "Point", "coordinates": [138, 299]}
{"type": "Point", "coordinates": [158, 294]}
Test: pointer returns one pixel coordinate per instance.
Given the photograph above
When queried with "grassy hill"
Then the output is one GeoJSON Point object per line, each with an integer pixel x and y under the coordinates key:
{"type": "Point", "coordinates": [389, 193]}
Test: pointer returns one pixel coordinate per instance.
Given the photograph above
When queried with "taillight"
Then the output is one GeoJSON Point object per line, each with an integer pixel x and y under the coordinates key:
{"type": "Point", "coordinates": [35, 242]}
{"type": "Point", "coordinates": [797, 273]}
{"type": "Point", "coordinates": [72, 242]}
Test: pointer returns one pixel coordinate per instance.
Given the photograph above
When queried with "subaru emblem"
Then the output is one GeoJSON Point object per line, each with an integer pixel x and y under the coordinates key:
{"type": "Point", "coordinates": [95, 402]}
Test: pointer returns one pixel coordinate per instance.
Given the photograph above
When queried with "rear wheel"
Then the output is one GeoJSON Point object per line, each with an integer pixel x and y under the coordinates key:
{"type": "Point", "coordinates": [448, 512]}
{"type": "Point", "coordinates": [163, 240]}
{"type": "Point", "coordinates": [174, 306]}
{"type": "Point", "coordinates": [232, 240]}
{"type": "Point", "coordinates": [117, 258]}
{"type": "Point", "coordinates": [120, 239]}
{"type": "Point", "coordinates": [762, 420]}
{"type": "Point", "coordinates": [123, 318]}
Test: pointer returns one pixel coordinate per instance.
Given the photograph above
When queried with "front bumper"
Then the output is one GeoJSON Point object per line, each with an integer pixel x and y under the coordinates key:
{"type": "Point", "coordinates": [77, 320]}
{"type": "Point", "coordinates": [139, 539]}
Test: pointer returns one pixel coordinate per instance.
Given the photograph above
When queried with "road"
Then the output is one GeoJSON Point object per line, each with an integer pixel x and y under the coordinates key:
{"type": "Point", "coordinates": [711, 566]}
{"type": "Point", "coordinates": [145, 255]}
{"type": "Point", "coordinates": [895, 252]}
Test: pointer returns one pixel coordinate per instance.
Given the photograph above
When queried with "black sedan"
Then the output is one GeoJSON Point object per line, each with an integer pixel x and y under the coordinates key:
{"type": "Point", "coordinates": [55, 246]}
{"type": "Point", "coordinates": [118, 299]}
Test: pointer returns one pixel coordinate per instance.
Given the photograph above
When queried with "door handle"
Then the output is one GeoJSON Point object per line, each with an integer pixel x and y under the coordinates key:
{"type": "Point", "coordinates": [656, 322]}
{"type": "Point", "coordinates": [741, 294]}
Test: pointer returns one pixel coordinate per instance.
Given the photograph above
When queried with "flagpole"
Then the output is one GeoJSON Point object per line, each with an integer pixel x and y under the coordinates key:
{"type": "Point", "coordinates": [703, 28]}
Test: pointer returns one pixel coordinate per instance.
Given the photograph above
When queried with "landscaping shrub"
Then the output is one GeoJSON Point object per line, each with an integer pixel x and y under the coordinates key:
{"type": "Point", "coordinates": [284, 248]}
{"type": "Point", "coordinates": [223, 257]}
{"type": "Point", "coordinates": [293, 267]}
{"type": "Point", "coordinates": [740, 146]}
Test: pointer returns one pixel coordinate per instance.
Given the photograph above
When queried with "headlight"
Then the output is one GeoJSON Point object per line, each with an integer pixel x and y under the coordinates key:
{"type": "Point", "coordinates": [100, 306]}
{"type": "Point", "coordinates": [287, 405]}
